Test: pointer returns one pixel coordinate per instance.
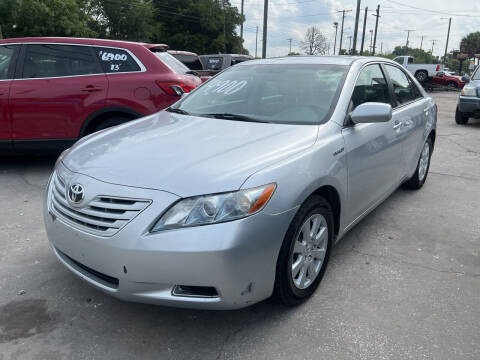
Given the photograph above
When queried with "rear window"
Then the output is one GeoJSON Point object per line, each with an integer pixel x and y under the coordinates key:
{"type": "Point", "coordinates": [191, 61]}
{"type": "Point", "coordinates": [214, 63]}
{"type": "Point", "coordinates": [115, 60]}
{"type": "Point", "coordinates": [52, 60]}
{"type": "Point", "coordinates": [172, 63]}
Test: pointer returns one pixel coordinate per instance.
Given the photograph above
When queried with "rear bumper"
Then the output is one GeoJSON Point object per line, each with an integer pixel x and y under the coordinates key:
{"type": "Point", "coordinates": [237, 259]}
{"type": "Point", "coordinates": [469, 104]}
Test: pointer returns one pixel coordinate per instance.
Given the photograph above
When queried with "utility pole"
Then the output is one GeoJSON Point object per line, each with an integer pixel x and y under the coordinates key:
{"type": "Point", "coordinates": [265, 17]}
{"type": "Point", "coordinates": [371, 40]}
{"type": "Point", "coordinates": [335, 24]}
{"type": "Point", "coordinates": [341, 31]}
{"type": "Point", "coordinates": [256, 42]}
{"type": "Point", "coordinates": [433, 44]}
{"type": "Point", "coordinates": [350, 44]}
{"type": "Point", "coordinates": [364, 26]}
{"type": "Point", "coordinates": [355, 31]}
{"type": "Point", "coordinates": [376, 28]}
{"type": "Point", "coordinates": [241, 24]}
{"type": "Point", "coordinates": [408, 35]}
{"type": "Point", "coordinates": [421, 42]}
{"type": "Point", "coordinates": [290, 41]}
{"type": "Point", "coordinates": [224, 28]}
{"type": "Point", "coordinates": [446, 45]}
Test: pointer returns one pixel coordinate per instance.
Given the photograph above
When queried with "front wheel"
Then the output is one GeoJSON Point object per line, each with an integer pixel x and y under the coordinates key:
{"type": "Point", "coordinates": [305, 252]}
{"type": "Point", "coordinates": [460, 118]}
{"type": "Point", "coordinates": [421, 172]}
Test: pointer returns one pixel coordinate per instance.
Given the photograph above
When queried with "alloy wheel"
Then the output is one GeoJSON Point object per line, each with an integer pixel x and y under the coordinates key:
{"type": "Point", "coordinates": [424, 160]}
{"type": "Point", "coordinates": [309, 251]}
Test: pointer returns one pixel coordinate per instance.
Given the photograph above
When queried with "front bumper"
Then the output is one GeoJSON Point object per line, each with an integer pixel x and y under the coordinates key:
{"type": "Point", "coordinates": [469, 104]}
{"type": "Point", "coordinates": [236, 258]}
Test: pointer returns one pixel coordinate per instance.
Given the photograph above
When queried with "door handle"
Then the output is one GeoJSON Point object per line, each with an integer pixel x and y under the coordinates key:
{"type": "Point", "coordinates": [91, 88]}
{"type": "Point", "coordinates": [397, 124]}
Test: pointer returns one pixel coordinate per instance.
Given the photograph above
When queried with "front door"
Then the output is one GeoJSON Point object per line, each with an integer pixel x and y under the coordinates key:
{"type": "Point", "coordinates": [60, 86]}
{"type": "Point", "coordinates": [374, 151]}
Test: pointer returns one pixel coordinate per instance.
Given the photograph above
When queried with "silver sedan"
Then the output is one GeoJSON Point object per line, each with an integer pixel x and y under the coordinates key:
{"type": "Point", "coordinates": [239, 191]}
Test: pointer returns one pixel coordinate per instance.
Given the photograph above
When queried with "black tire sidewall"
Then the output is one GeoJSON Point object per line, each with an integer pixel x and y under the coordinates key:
{"type": "Point", "coordinates": [421, 76]}
{"type": "Point", "coordinates": [460, 118]}
{"type": "Point", "coordinates": [107, 123]}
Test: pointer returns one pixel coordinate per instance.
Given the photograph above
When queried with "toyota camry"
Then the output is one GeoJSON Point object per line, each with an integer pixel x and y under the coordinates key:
{"type": "Point", "coordinates": [239, 191]}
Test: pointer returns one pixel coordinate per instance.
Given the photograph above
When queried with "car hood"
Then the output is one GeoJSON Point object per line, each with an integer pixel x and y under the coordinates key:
{"type": "Point", "coordinates": [186, 155]}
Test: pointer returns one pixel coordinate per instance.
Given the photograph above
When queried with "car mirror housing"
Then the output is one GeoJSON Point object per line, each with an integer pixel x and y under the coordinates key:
{"type": "Point", "coordinates": [371, 112]}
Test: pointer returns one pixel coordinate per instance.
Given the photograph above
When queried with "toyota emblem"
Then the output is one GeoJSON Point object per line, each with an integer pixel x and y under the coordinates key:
{"type": "Point", "coordinates": [76, 193]}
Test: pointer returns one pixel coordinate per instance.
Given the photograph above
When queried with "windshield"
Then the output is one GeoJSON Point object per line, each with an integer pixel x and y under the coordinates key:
{"type": "Point", "coordinates": [286, 93]}
{"type": "Point", "coordinates": [172, 63]}
{"type": "Point", "coordinates": [476, 74]}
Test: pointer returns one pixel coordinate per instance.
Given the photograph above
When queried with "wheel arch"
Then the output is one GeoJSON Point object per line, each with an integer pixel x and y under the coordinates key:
{"type": "Point", "coordinates": [333, 197]}
{"type": "Point", "coordinates": [95, 118]}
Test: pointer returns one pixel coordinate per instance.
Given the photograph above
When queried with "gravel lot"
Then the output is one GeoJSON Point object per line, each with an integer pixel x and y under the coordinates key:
{"type": "Point", "coordinates": [403, 284]}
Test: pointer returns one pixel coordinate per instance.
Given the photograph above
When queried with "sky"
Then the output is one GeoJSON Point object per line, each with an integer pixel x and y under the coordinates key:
{"type": "Point", "coordinates": [429, 18]}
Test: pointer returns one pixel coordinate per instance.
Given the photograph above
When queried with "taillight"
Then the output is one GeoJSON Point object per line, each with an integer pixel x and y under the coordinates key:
{"type": "Point", "coordinates": [175, 88]}
{"type": "Point", "coordinates": [436, 108]}
{"type": "Point", "coordinates": [438, 68]}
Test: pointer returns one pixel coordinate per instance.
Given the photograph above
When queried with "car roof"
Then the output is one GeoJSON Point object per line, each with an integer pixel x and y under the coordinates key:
{"type": "Point", "coordinates": [86, 41]}
{"type": "Point", "coordinates": [324, 60]}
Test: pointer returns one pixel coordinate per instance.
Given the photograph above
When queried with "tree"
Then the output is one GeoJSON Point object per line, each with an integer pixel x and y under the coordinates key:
{"type": "Point", "coordinates": [315, 43]}
{"type": "Point", "coordinates": [43, 18]}
{"type": "Point", "coordinates": [471, 42]}
{"type": "Point", "coordinates": [421, 56]}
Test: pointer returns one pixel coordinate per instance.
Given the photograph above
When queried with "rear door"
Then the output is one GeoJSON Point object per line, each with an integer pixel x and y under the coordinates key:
{"type": "Point", "coordinates": [60, 85]}
{"type": "Point", "coordinates": [374, 150]}
{"type": "Point", "coordinates": [8, 55]}
{"type": "Point", "coordinates": [410, 114]}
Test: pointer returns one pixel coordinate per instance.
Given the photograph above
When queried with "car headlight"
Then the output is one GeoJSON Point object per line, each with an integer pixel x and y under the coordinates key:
{"type": "Point", "coordinates": [469, 91]}
{"type": "Point", "coordinates": [211, 209]}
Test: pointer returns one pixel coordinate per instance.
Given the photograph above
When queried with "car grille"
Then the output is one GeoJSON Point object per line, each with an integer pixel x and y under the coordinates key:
{"type": "Point", "coordinates": [103, 215]}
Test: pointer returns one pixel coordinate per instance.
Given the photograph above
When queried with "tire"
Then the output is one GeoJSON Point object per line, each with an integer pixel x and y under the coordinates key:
{"type": "Point", "coordinates": [452, 84]}
{"type": "Point", "coordinates": [109, 122]}
{"type": "Point", "coordinates": [421, 172]}
{"type": "Point", "coordinates": [288, 288]}
{"type": "Point", "coordinates": [421, 76]}
{"type": "Point", "coordinates": [460, 118]}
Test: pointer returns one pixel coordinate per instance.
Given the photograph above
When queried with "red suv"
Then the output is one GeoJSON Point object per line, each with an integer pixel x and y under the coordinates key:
{"type": "Point", "coordinates": [56, 90]}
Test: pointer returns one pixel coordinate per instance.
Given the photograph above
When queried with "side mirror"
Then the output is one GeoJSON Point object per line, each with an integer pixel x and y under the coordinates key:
{"type": "Point", "coordinates": [371, 112]}
{"type": "Point", "coordinates": [465, 78]}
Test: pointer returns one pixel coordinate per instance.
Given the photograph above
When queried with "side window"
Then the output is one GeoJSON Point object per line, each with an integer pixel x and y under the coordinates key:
{"type": "Point", "coordinates": [371, 86]}
{"type": "Point", "coordinates": [116, 60]}
{"type": "Point", "coordinates": [6, 55]}
{"type": "Point", "coordinates": [50, 60]}
{"type": "Point", "coordinates": [405, 91]}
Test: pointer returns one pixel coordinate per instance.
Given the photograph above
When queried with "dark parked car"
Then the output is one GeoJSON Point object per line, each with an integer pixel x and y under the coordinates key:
{"type": "Point", "coordinates": [56, 90]}
{"type": "Point", "coordinates": [189, 59]}
{"type": "Point", "coordinates": [469, 100]}
{"type": "Point", "coordinates": [217, 62]}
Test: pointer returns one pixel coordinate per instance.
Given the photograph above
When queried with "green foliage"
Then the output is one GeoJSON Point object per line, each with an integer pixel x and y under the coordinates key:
{"type": "Point", "coordinates": [472, 43]}
{"type": "Point", "coordinates": [293, 53]}
{"type": "Point", "coordinates": [43, 18]}
{"type": "Point", "coordinates": [202, 26]}
{"type": "Point", "coordinates": [420, 56]}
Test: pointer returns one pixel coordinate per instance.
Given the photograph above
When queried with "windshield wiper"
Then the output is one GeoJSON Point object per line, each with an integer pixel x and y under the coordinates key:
{"type": "Point", "coordinates": [177, 110]}
{"type": "Point", "coordinates": [228, 116]}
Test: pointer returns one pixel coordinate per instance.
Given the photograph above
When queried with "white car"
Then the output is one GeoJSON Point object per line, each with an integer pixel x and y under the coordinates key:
{"type": "Point", "coordinates": [421, 71]}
